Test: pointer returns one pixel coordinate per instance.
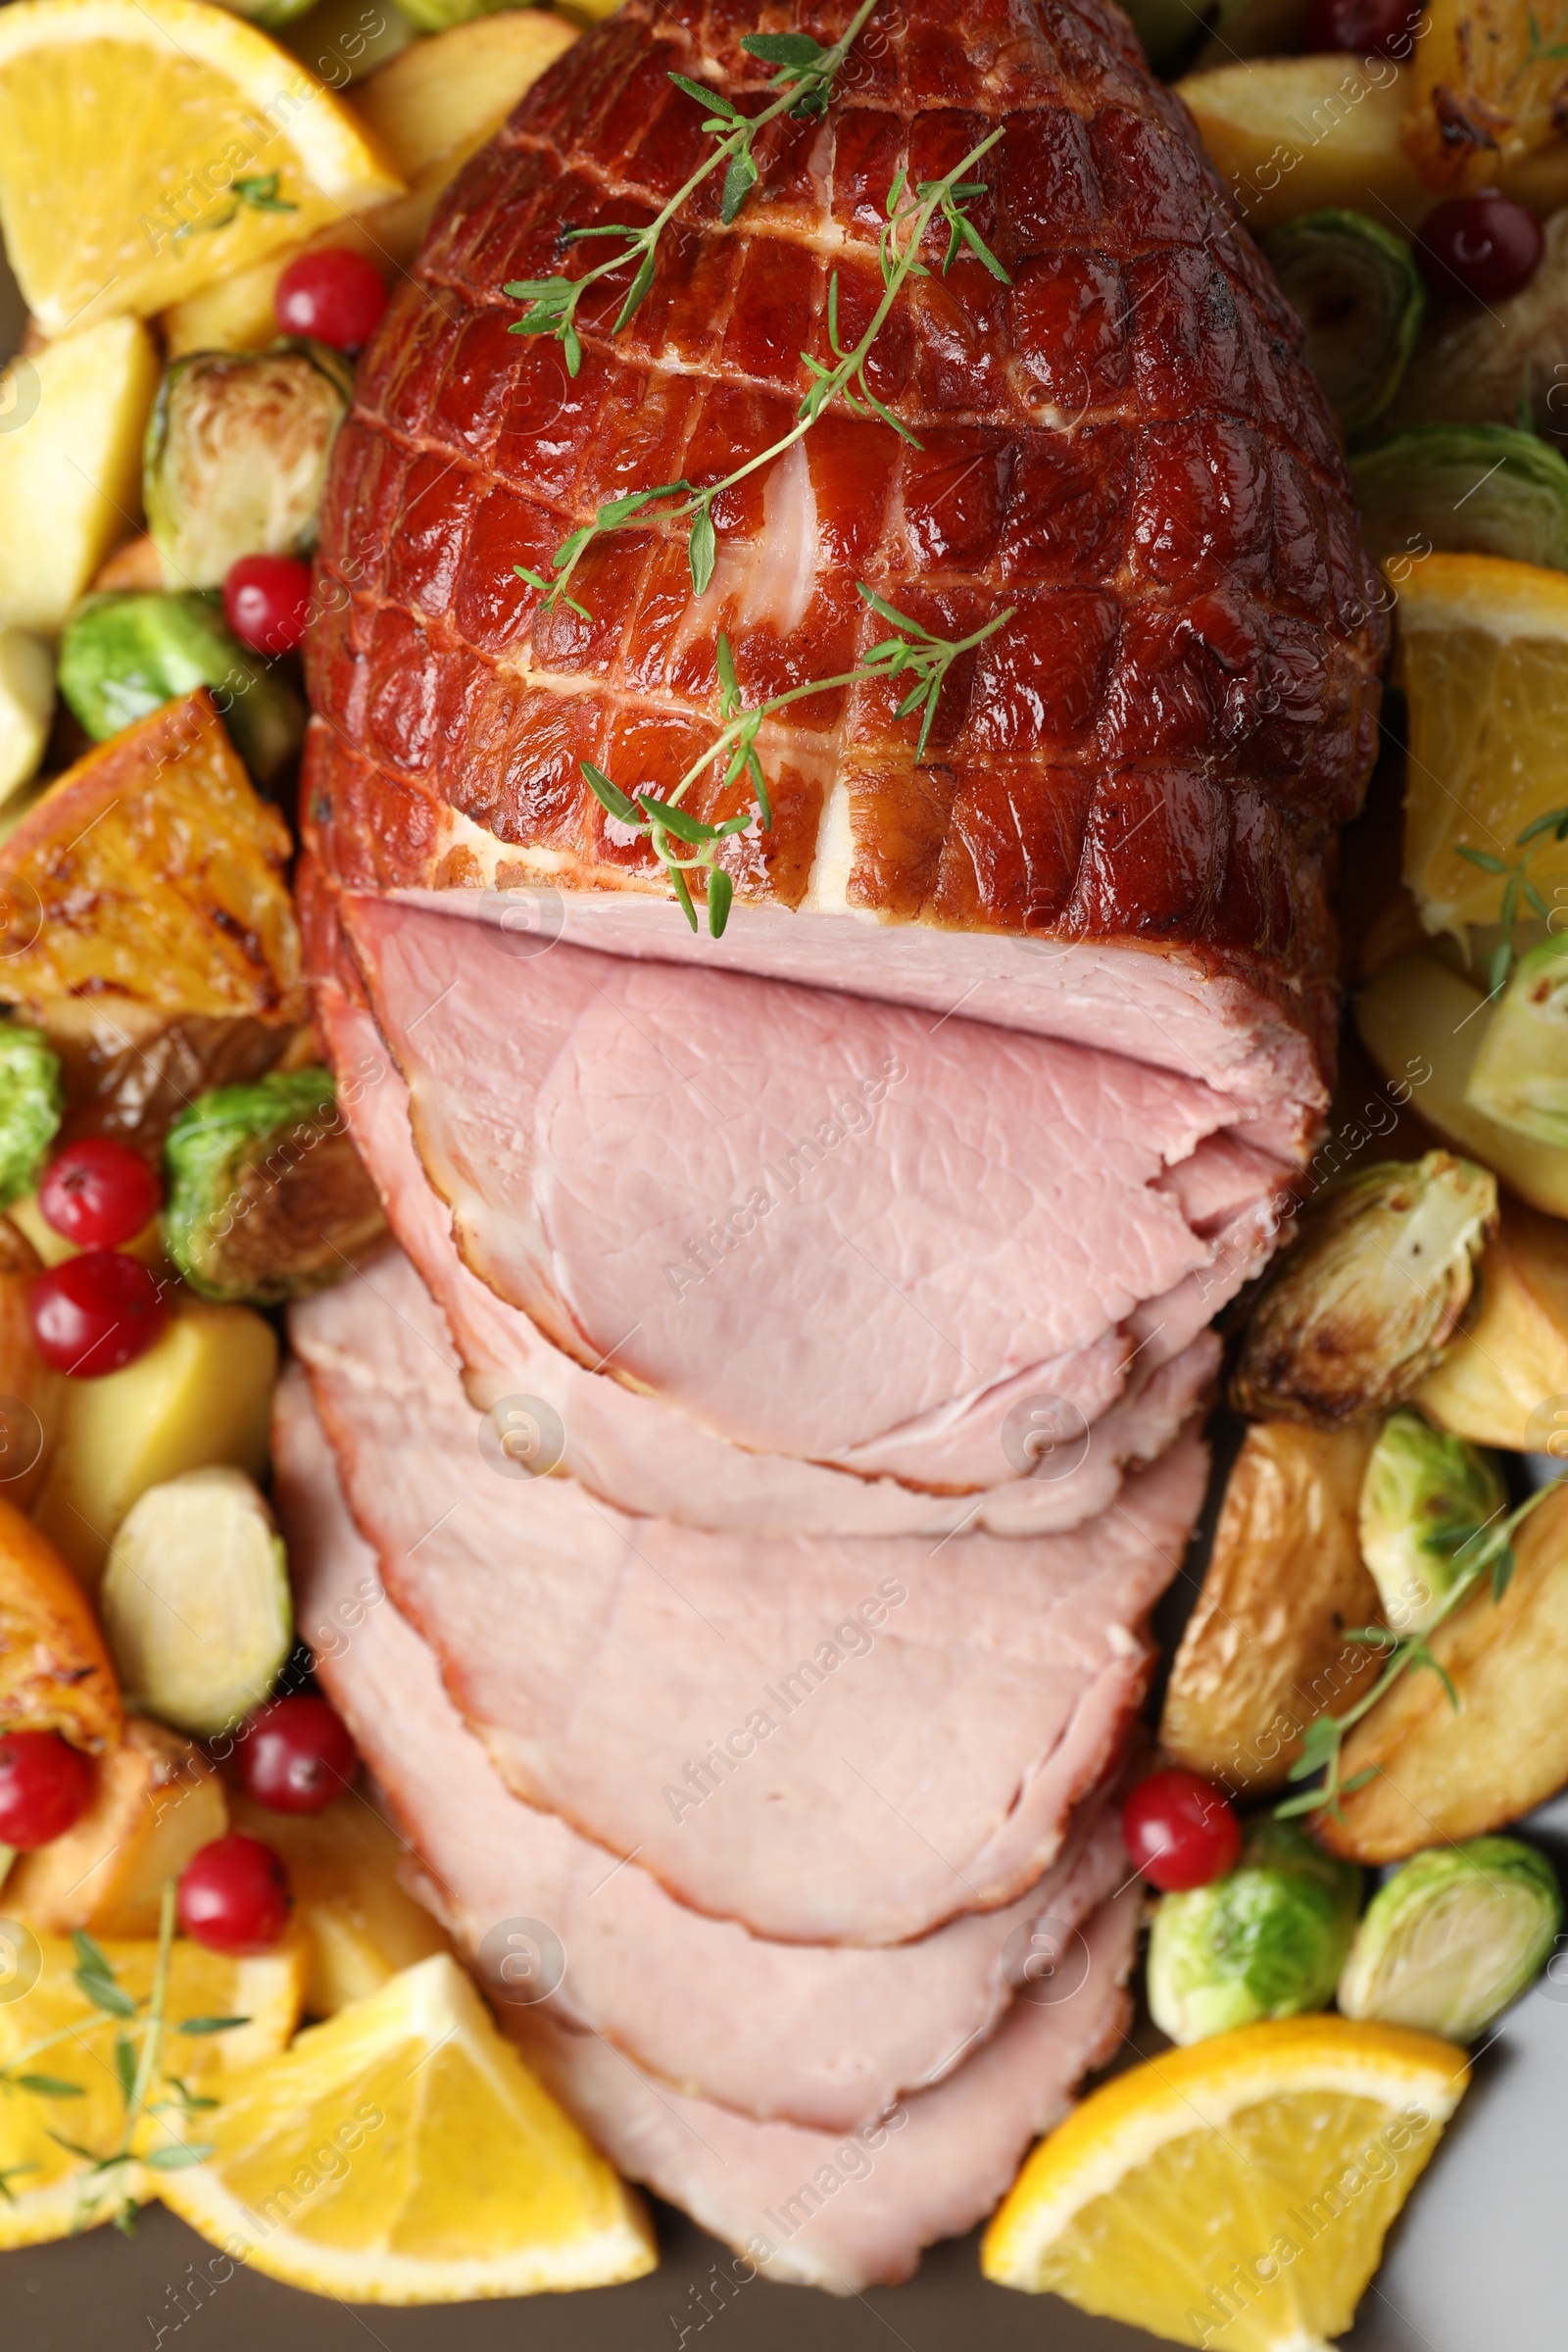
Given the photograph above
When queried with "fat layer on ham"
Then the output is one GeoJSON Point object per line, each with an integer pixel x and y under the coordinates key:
{"type": "Point", "coordinates": [824, 2036]}
{"type": "Point", "coordinates": [818, 1226]}
{"type": "Point", "coordinates": [832, 1739]}
{"type": "Point", "coordinates": [646, 1455]}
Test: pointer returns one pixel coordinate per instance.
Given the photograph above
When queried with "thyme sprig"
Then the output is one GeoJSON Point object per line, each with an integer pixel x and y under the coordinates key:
{"type": "Point", "coordinates": [913, 651]}
{"type": "Point", "coordinates": [805, 79]}
{"type": "Point", "coordinates": [1518, 884]}
{"type": "Point", "coordinates": [259, 192]}
{"type": "Point", "coordinates": [1480, 1548]}
{"type": "Point", "coordinates": [911, 213]}
{"type": "Point", "coordinates": [141, 2030]}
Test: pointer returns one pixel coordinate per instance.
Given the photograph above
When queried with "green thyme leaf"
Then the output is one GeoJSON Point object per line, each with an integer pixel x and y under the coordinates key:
{"type": "Point", "coordinates": [675, 821]}
{"type": "Point", "coordinates": [550, 590]}
{"type": "Point", "coordinates": [683, 896]}
{"type": "Point", "coordinates": [739, 181]}
{"type": "Point", "coordinates": [96, 1978]}
{"type": "Point", "coordinates": [609, 796]}
{"type": "Point", "coordinates": [721, 896]}
{"type": "Point", "coordinates": [794, 49]}
{"type": "Point", "coordinates": [211, 2025]}
{"type": "Point", "coordinates": [47, 2086]}
{"type": "Point", "coordinates": [701, 548]}
{"type": "Point", "coordinates": [177, 2159]}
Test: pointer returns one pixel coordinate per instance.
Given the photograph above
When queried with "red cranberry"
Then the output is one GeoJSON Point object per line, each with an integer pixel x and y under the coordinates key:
{"type": "Point", "coordinates": [1486, 247]}
{"type": "Point", "coordinates": [1180, 1831]}
{"type": "Point", "coordinates": [45, 1788]}
{"type": "Point", "coordinates": [335, 295]}
{"type": "Point", "coordinates": [233, 1895]}
{"type": "Point", "coordinates": [296, 1754]}
{"type": "Point", "coordinates": [1365, 27]}
{"type": "Point", "coordinates": [96, 1313]}
{"type": "Point", "coordinates": [98, 1193]}
{"type": "Point", "coordinates": [268, 601]}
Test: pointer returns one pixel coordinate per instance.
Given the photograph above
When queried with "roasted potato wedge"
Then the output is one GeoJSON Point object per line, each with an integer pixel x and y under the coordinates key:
{"type": "Point", "coordinates": [1305, 135]}
{"type": "Point", "coordinates": [1504, 1380]}
{"type": "Point", "coordinates": [1442, 1773]}
{"type": "Point", "coordinates": [1264, 1652]}
{"type": "Point", "coordinates": [158, 1799]}
{"type": "Point", "coordinates": [32, 1399]}
{"type": "Point", "coordinates": [56, 1674]}
{"type": "Point", "coordinates": [342, 1864]}
{"type": "Point", "coordinates": [1488, 87]}
{"type": "Point", "coordinates": [151, 875]}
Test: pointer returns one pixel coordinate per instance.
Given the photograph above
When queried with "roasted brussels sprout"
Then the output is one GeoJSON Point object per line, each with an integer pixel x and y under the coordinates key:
{"type": "Point", "coordinates": [31, 1105]}
{"type": "Point", "coordinates": [1359, 296]}
{"type": "Point", "coordinates": [1424, 1497]}
{"type": "Point", "coordinates": [1454, 1936]}
{"type": "Point", "coordinates": [125, 653]}
{"type": "Point", "coordinates": [236, 456]}
{"type": "Point", "coordinates": [1267, 1940]}
{"type": "Point", "coordinates": [1361, 1310]}
{"type": "Point", "coordinates": [1520, 1072]}
{"type": "Point", "coordinates": [267, 1198]}
{"type": "Point", "coordinates": [1464, 489]}
{"type": "Point", "coordinates": [196, 1601]}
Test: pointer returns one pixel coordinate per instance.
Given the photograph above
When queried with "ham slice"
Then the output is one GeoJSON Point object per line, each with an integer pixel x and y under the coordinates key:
{"type": "Point", "coordinates": [830, 1740]}
{"type": "Point", "coordinates": [640, 1452]}
{"type": "Point", "coordinates": [851, 2212]}
{"type": "Point", "coordinates": [1120, 829]}
{"type": "Point", "coordinates": [825, 2035]}
{"type": "Point", "coordinates": [818, 1226]}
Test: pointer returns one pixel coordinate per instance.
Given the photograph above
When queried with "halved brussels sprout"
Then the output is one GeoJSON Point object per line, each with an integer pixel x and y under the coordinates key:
{"type": "Point", "coordinates": [1269, 1939]}
{"type": "Point", "coordinates": [31, 1105]}
{"type": "Point", "coordinates": [1454, 1936]}
{"type": "Point", "coordinates": [236, 456]}
{"type": "Point", "coordinates": [1424, 1497]}
{"type": "Point", "coordinates": [267, 1198]}
{"type": "Point", "coordinates": [1358, 293]}
{"type": "Point", "coordinates": [1520, 1072]}
{"type": "Point", "coordinates": [1362, 1309]}
{"type": "Point", "coordinates": [126, 651]}
{"type": "Point", "coordinates": [1167, 29]}
{"type": "Point", "coordinates": [1464, 489]}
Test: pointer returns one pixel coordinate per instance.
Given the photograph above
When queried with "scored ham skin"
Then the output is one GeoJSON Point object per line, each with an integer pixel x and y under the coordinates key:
{"type": "Point", "coordinates": [817, 1225]}
{"type": "Point", "coordinates": [641, 1453]}
{"type": "Point", "coordinates": [1144, 768]}
{"type": "Point", "coordinates": [824, 2036]}
{"type": "Point", "coordinates": [921, 1759]}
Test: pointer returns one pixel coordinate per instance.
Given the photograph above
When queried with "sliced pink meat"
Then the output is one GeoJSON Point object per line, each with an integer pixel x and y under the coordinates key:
{"type": "Point", "coordinates": [832, 1739]}
{"type": "Point", "coordinates": [650, 1458]}
{"type": "Point", "coordinates": [819, 2034]}
{"type": "Point", "coordinates": [851, 2212]}
{"type": "Point", "coordinates": [820, 1226]}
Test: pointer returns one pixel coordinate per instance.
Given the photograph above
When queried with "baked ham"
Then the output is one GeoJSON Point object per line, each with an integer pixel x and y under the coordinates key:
{"type": "Point", "coordinates": [828, 1738]}
{"type": "Point", "coordinates": [814, 1225]}
{"type": "Point", "coordinates": [824, 2036]}
{"type": "Point", "coordinates": [1121, 827]}
{"type": "Point", "coordinates": [636, 1450]}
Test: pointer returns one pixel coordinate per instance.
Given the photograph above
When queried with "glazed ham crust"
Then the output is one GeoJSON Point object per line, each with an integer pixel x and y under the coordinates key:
{"type": "Point", "coordinates": [1122, 444]}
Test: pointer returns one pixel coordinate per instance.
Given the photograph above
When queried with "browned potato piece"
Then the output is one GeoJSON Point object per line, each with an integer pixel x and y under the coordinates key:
{"type": "Point", "coordinates": [1504, 1380]}
{"type": "Point", "coordinates": [157, 1801]}
{"type": "Point", "coordinates": [1264, 1650]}
{"type": "Point", "coordinates": [1441, 1774]}
{"type": "Point", "coordinates": [31, 1396]}
{"type": "Point", "coordinates": [56, 1674]}
{"type": "Point", "coordinates": [1487, 88]}
{"type": "Point", "coordinates": [151, 874]}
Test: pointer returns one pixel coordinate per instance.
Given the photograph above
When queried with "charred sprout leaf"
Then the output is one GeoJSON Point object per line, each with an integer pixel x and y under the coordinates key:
{"type": "Point", "coordinates": [1454, 1936]}
{"type": "Point", "coordinates": [1360, 295]}
{"type": "Point", "coordinates": [1362, 1307]}
{"type": "Point", "coordinates": [195, 1602]}
{"type": "Point", "coordinates": [31, 1106]}
{"type": "Point", "coordinates": [267, 1198]}
{"type": "Point", "coordinates": [1267, 1940]}
{"type": "Point", "coordinates": [1520, 1072]}
{"type": "Point", "coordinates": [126, 652]}
{"type": "Point", "coordinates": [1465, 489]}
{"type": "Point", "coordinates": [236, 456]}
{"type": "Point", "coordinates": [1427, 1502]}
